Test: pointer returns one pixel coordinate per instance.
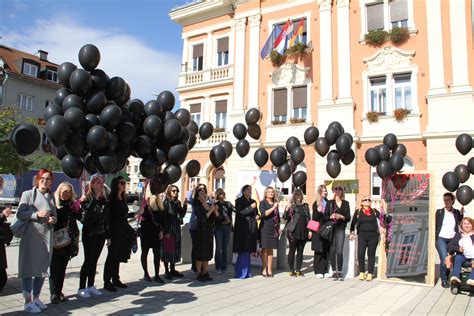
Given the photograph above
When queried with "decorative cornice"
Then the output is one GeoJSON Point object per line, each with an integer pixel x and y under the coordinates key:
{"type": "Point", "coordinates": [324, 5]}
{"type": "Point", "coordinates": [240, 24]}
{"type": "Point", "coordinates": [254, 20]}
{"type": "Point", "coordinates": [342, 3]}
{"type": "Point", "coordinates": [388, 58]}
{"type": "Point", "coordinates": [289, 74]}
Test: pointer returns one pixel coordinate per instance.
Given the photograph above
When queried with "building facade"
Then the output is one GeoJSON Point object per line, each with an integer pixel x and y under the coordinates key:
{"type": "Point", "coordinates": [341, 76]}
{"type": "Point", "coordinates": [28, 82]}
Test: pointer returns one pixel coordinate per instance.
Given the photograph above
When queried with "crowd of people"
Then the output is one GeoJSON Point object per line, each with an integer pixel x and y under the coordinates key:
{"type": "Point", "coordinates": [47, 226]}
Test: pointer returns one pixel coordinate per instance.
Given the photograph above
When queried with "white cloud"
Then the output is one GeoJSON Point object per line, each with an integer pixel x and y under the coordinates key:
{"type": "Point", "coordinates": [144, 68]}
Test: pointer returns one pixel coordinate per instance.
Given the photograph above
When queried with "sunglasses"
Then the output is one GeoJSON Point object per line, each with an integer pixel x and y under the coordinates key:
{"type": "Point", "coordinates": [338, 189]}
{"type": "Point", "coordinates": [366, 200]}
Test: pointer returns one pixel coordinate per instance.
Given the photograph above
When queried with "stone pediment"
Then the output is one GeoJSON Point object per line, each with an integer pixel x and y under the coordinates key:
{"type": "Point", "coordinates": [289, 74]}
{"type": "Point", "coordinates": [387, 58]}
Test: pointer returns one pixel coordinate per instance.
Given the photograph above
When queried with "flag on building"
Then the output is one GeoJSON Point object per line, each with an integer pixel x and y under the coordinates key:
{"type": "Point", "coordinates": [280, 42]}
{"type": "Point", "coordinates": [268, 47]}
{"type": "Point", "coordinates": [296, 34]}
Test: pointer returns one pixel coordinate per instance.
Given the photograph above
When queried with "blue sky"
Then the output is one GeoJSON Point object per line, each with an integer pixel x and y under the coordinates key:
{"type": "Point", "coordinates": [137, 39]}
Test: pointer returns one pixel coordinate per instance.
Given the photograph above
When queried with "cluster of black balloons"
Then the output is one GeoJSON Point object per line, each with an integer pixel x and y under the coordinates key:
{"type": "Point", "coordinates": [240, 131]}
{"type": "Point", "coordinates": [334, 135]}
{"type": "Point", "coordinates": [452, 179]}
{"type": "Point", "coordinates": [388, 158]}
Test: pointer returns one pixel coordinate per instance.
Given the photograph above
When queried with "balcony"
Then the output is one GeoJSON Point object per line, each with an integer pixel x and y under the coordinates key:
{"type": "Point", "coordinates": [192, 80]}
{"type": "Point", "coordinates": [212, 141]}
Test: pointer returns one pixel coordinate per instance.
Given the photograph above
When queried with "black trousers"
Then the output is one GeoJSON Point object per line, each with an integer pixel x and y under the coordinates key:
{"type": "Point", "coordinates": [156, 259]}
{"type": "Point", "coordinates": [367, 242]}
{"type": "Point", "coordinates": [298, 247]}
{"type": "Point", "coordinates": [57, 269]}
{"type": "Point", "coordinates": [193, 233]}
{"type": "Point", "coordinates": [112, 263]}
{"type": "Point", "coordinates": [337, 249]}
{"type": "Point", "coordinates": [93, 246]}
{"type": "Point", "coordinates": [3, 278]}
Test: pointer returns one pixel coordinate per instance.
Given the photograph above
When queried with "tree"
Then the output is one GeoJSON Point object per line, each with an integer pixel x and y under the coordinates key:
{"type": "Point", "coordinates": [10, 160]}
{"type": "Point", "coordinates": [48, 161]}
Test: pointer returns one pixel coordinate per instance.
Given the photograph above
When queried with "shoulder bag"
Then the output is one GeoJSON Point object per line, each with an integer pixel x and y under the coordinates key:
{"type": "Point", "coordinates": [326, 230]}
{"type": "Point", "coordinates": [19, 227]}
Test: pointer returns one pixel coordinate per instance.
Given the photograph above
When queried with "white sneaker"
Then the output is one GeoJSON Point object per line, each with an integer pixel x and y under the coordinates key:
{"type": "Point", "coordinates": [84, 293]}
{"type": "Point", "coordinates": [39, 304]}
{"type": "Point", "coordinates": [32, 308]}
{"type": "Point", "coordinates": [320, 276]}
{"type": "Point", "coordinates": [93, 291]}
{"type": "Point", "coordinates": [327, 275]}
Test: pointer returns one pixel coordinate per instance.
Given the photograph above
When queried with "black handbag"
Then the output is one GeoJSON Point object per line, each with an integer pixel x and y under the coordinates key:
{"type": "Point", "coordinates": [326, 230]}
{"type": "Point", "coordinates": [6, 234]}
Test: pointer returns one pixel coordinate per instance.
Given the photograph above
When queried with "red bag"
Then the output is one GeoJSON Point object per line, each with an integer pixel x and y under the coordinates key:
{"type": "Point", "coordinates": [313, 225]}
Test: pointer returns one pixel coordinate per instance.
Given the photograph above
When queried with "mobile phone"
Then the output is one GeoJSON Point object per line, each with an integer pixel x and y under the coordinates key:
{"type": "Point", "coordinates": [13, 212]}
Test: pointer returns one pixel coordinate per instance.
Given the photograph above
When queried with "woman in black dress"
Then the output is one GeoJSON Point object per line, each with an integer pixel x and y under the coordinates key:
{"type": "Point", "coordinates": [245, 232]}
{"type": "Point", "coordinates": [5, 239]}
{"type": "Point", "coordinates": [338, 210]}
{"type": "Point", "coordinates": [269, 228]}
{"type": "Point", "coordinates": [319, 245]}
{"type": "Point", "coordinates": [205, 214]}
{"type": "Point", "coordinates": [151, 233]}
{"type": "Point", "coordinates": [297, 217]}
{"type": "Point", "coordinates": [172, 220]}
{"type": "Point", "coordinates": [117, 234]}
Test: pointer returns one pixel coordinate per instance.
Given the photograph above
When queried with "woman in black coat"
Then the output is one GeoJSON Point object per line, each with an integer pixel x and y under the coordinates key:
{"type": "Point", "coordinates": [245, 232]}
{"type": "Point", "coordinates": [319, 245]}
{"type": "Point", "coordinates": [338, 210]}
{"type": "Point", "coordinates": [5, 238]}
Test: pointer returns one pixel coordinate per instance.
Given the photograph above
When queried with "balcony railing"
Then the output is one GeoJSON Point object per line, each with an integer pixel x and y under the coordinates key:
{"type": "Point", "coordinates": [215, 139]}
{"type": "Point", "coordinates": [206, 76]}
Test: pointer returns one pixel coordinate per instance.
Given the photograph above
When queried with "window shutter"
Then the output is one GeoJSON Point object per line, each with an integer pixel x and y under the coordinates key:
{"type": "Point", "coordinates": [223, 45]}
{"type": "Point", "coordinates": [375, 17]}
{"type": "Point", "coordinates": [198, 50]}
{"type": "Point", "coordinates": [299, 97]}
{"type": "Point", "coordinates": [279, 102]}
{"type": "Point", "coordinates": [398, 10]}
{"type": "Point", "coordinates": [195, 108]}
{"type": "Point", "coordinates": [221, 106]}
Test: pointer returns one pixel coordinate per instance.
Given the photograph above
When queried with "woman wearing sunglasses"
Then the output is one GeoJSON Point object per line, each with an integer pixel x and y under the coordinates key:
{"type": "Point", "coordinates": [366, 224]}
{"type": "Point", "coordinates": [339, 212]}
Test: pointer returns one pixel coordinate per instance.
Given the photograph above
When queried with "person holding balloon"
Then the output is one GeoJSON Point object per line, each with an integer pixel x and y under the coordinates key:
{"type": "Point", "coordinates": [269, 229]}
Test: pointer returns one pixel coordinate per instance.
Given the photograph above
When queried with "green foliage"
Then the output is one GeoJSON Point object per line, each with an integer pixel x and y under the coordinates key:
{"type": "Point", "coordinates": [376, 37]}
{"type": "Point", "coordinates": [48, 161]}
{"type": "Point", "coordinates": [297, 49]}
{"type": "Point", "coordinates": [399, 35]}
{"type": "Point", "coordinates": [276, 58]}
{"type": "Point", "coordinates": [373, 117]}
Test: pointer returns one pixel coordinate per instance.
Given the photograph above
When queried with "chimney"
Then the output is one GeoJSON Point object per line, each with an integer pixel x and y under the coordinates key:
{"type": "Point", "coordinates": [42, 55]}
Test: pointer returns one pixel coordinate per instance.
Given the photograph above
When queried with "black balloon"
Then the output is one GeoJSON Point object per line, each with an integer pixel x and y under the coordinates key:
{"type": "Point", "coordinates": [252, 116]}
{"type": "Point", "coordinates": [80, 82]}
{"type": "Point", "coordinates": [217, 155]}
{"type": "Point", "coordinates": [228, 148]}
{"type": "Point", "coordinates": [462, 172]}
{"type": "Point", "coordinates": [348, 157]}
{"type": "Point", "coordinates": [278, 157]}
{"type": "Point", "coordinates": [64, 73]}
{"type": "Point", "coordinates": [89, 163]}
{"type": "Point", "coordinates": [96, 102]}
{"type": "Point", "coordinates": [177, 154]}
{"type": "Point", "coordinates": [260, 157]}
{"type": "Point", "coordinates": [351, 139]}
{"type": "Point", "coordinates": [57, 130]}
{"type": "Point", "coordinates": [72, 101]}
{"type": "Point", "coordinates": [383, 151]}
{"type": "Point", "coordinates": [110, 116]}
{"type": "Point", "coordinates": [172, 131]}
{"type": "Point", "coordinates": [333, 168]}
{"type": "Point", "coordinates": [291, 143]}
{"type": "Point", "coordinates": [90, 120]}
{"type": "Point", "coordinates": [334, 155]}
{"type": "Point", "coordinates": [97, 138]}
{"type": "Point", "coordinates": [60, 95]}
{"type": "Point", "coordinates": [106, 163]}
{"type": "Point", "coordinates": [464, 144]}
{"type": "Point", "coordinates": [284, 172]}
{"type": "Point", "coordinates": [239, 131]}
{"type": "Point", "coordinates": [401, 150]}
{"type": "Point", "coordinates": [450, 181]}
{"type": "Point", "coordinates": [299, 178]}
{"type": "Point", "coordinates": [59, 152]}
{"type": "Point", "coordinates": [396, 162]}
{"type": "Point", "coordinates": [125, 96]}
{"type": "Point", "coordinates": [321, 146]}
{"type": "Point", "coordinates": [152, 126]}
{"type": "Point", "coordinates": [168, 115]}
{"type": "Point", "coordinates": [470, 165]}
{"type": "Point", "coordinates": [115, 88]}
{"type": "Point", "coordinates": [192, 168]}
{"type": "Point", "coordinates": [338, 126]}
{"type": "Point", "coordinates": [136, 106]}
{"type": "Point", "coordinates": [148, 167]}
{"type": "Point", "coordinates": [192, 140]}
{"type": "Point", "coordinates": [331, 135]}
{"type": "Point", "coordinates": [193, 127]}
{"type": "Point", "coordinates": [152, 108]}
{"type": "Point", "coordinates": [166, 100]}
{"type": "Point", "coordinates": [254, 131]}
{"type": "Point", "coordinates": [72, 166]}
{"type": "Point", "coordinates": [25, 138]}
{"type": "Point", "coordinates": [372, 157]}
{"type": "Point", "coordinates": [142, 146]}
{"type": "Point", "coordinates": [391, 141]}
{"type": "Point", "coordinates": [311, 134]}
{"type": "Point", "coordinates": [89, 57]}
{"type": "Point", "coordinates": [126, 132]}
{"type": "Point", "coordinates": [99, 79]}
{"type": "Point", "coordinates": [112, 141]}
{"type": "Point", "coordinates": [464, 195]}
{"type": "Point", "coordinates": [161, 156]}
{"type": "Point", "coordinates": [242, 148]}
{"type": "Point", "coordinates": [51, 110]}
{"type": "Point", "coordinates": [297, 155]}
{"type": "Point", "coordinates": [183, 116]}
{"type": "Point", "coordinates": [75, 144]}
{"type": "Point", "coordinates": [75, 117]}
{"type": "Point", "coordinates": [343, 144]}
{"type": "Point", "coordinates": [206, 130]}
{"type": "Point", "coordinates": [384, 169]}
{"type": "Point", "coordinates": [173, 173]}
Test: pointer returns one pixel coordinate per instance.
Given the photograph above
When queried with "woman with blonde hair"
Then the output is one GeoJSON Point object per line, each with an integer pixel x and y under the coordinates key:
{"type": "Point", "coordinates": [65, 224]}
{"type": "Point", "coordinates": [269, 228]}
{"type": "Point", "coordinates": [297, 216]}
{"type": "Point", "coordinates": [319, 245]}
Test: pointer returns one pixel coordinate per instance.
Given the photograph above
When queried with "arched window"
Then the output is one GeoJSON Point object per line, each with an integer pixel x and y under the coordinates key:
{"type": "Point", "coordinates": [219, 178]}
